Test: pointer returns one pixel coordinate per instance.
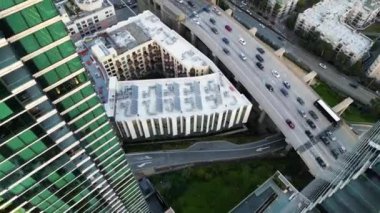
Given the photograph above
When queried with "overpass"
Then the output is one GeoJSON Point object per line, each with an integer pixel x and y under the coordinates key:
{"type": "Point", "coordinates": [197, 29]}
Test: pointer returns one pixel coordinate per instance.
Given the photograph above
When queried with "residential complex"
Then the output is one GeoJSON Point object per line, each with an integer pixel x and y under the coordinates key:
{"type": "Point", "coordinates": [329, 18]}
{"type": "Point", "coordinates": [194, 97]}
{"type": "Point", "coordinates": [58, 151]}
{"type": "Point", "coordinates": [374, 69]}
{"type": "Point", "coordinates": [363, 13]}
{"type": "Point", "coordinates": [276, 8]}
{"type": "Point", "coordinates": [85, 17]}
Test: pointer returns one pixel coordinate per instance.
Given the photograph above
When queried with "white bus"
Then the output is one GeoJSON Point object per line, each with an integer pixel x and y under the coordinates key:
{"type": "Point", "coordinates": [327, 111]}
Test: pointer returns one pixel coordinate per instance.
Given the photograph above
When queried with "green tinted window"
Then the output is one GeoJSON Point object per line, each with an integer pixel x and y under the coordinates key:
{"type": "Point", "coordinates": [5, 111]}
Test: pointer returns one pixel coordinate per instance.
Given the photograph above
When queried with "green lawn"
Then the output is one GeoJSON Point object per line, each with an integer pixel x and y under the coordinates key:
{"type": "Point", "coordinates": [374, 28]}
{"type": "Point", "coordinates": [327, 94]}
{"type": "Point", "coordinates": [219, 187]}
{"type": "Point", "coordinates": [353, 114]}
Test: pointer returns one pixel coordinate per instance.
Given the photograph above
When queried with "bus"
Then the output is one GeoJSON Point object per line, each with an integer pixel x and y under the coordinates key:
{"type": "Point", "coordinates": [327, 111]}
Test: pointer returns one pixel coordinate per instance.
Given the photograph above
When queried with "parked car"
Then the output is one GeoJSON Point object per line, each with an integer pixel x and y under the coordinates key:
{"type": "Point", "coordinates": [313, 114]}
{"type": "Point", "coordinates": [259, 65]}
{"type": "Point", "coordinates": [284, 92]}
{"type": "Point", "coordinates": [261, 50]}
{"type": "Point", "coordinates": [269, 87]}
{"type": "Point", "coordinates": [286, 84]}
{"type": "Point", "coordinates": [290, 123]}
{"type": "Point", "coordinates": [300, 101]}
{"type": "Point", "coordinates": [259, 58]}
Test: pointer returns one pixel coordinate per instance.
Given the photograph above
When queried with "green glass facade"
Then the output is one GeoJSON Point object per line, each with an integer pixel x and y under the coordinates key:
{"type": "Point", "coordinates": [58, 151]}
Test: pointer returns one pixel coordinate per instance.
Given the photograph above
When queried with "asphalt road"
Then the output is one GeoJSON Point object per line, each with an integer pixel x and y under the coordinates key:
{"type": "Point", "coordinates": [203, 152]}
{"type": "Point", "coordinates": [330, 75]}
{"type": "Point", "coordinates": [276, 105]}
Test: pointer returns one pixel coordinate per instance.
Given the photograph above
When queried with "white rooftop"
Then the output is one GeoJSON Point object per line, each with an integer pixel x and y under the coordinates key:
{"type": "Point", "coordinates": [172, 97]}
{"type": "Point", "coordinates": [147, 27]}
{"type": "Point", "coordinates": [326, 17]}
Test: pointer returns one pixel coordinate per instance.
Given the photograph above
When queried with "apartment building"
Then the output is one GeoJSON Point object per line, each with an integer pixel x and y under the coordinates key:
{"type": "Point", "coordinates": [275, 8]}
{"type": "Point", "coordinates": [191, 97]}
{"type": "Point", "coordinates": [328, 18]}
{"type": "Point", "coordinates": [363, 13]}
{"type": "Point", "coordinates": [374, 70]}
{"type": "Point", "coordinates": [85, 17]}
{"type": "Point", "coordinates": [58, 151]}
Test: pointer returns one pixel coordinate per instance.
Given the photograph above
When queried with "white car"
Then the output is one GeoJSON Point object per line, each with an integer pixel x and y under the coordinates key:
{"type": "Point", "coordinates": [262, 26]}
{"type": "Point", "coordinates": [322, 65]}
{"type": "Point", "coordinates": [242, 42]}
{"type": "Point", "coordinates": [180, 1]}
{"type": "Point", "coordinates": [196, 21]}
{"type": "Point", "coordinates": [275, 73]}
{"type": "Point", "coordinates": [195, 14]}
{"type": "Point", "coordinates": [242, 56]}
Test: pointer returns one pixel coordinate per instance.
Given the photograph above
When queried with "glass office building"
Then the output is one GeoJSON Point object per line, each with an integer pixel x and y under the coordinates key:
{"type": "Point", "coordinates": [58, 151]}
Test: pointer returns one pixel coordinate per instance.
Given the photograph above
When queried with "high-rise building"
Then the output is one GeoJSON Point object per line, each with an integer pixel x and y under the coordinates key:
{"type": "Point", "coordinates": [58, 151]}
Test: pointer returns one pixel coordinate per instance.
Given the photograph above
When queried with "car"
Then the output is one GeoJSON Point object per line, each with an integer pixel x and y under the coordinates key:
{"type": "Point", "coordinates": [290, 123]}
{"type": "Point", "coordinates": [259, 58]}
{"type": "Point", "coordinates": [242, 56]}
{"type": "Point", "coordinates": [286, 84]}
{"type": "Point", "coordinates": [342, 149]}
{"type": "Point", "coordinates": [335, 153]}
{"type": "Point", "coordinates": [329, 133]}
{"type": "Point", "coordinates": [321, 162]}
{"type": "Point", "coordinates": [242, 41]}
{"type": "Point", "coordinates": [212, 21]}
{"type": "Point", "coordinates": [300, 101]}
{"type": "Point", "coordinates": [353, 85]}
{"type": "Point", "coordinates": [214, 30]}
{"type": "Point", "coordinates": [228, 28]}
{"type": "Point", "coordinates": [280, 38]}
{"type": "Point", "coordinates": [322, 65]}
{"type": "Point", "coordinates": [216, 11]}
{"type": "Point", "coordinates": [206, 9]}
{"type": "Point", "coordinates": [259, 65]}
{"type": "Point", "coordinates": [225, 40]}
{"type": "Point", "coordinates": [262, 26]}
{"type": "Point", "coordinates": [311, 123]}
{"type": "Point", "coordinates": [269, 87]}
{"type": "Point", "coordinates": [275, 73]}
{"type": "Point", "coordinates": [261, 50]}
{"type": "Point", "coordinates": [225, 50]}
{"type": "Point", "coordinates": [284, 92]}
{"type": "Point", "coordinates": [324, 139]}
{"type": "Point", "coordinates": [180, 1]}
{"type": "Point", "coordinates": [195, 13]}
{"type": "Point", "coordinates": [190, 3]}
{"type": "Point", "coordinates": [196, 21]}
{"type": "Point", "coordinates": [302, 113]}
{"type": "Point", "coordinates": [309, 134]}
{"type": "Point", "coordinates": [313, 114]}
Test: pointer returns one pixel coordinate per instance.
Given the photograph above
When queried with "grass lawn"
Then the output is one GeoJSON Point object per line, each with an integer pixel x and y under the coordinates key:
{"type": "Point", "coordinates": [374, 28]}
{"type": "Point", "coordinates": [327, 94]}
{"type": "Point", "coordinates": [353, 114]}
{"type": "Point", "coordinates": [219, 187]}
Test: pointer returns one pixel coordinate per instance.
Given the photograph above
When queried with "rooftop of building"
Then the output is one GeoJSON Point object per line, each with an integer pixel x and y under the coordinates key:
{"type": "Point", "coordinates": [326, 17]}
{"type": "Point", "coordinates": [372, 4]}
{"type": "Point", "coordinates": [71, 8]}
{"type": "Point", "coordinates": [139, 29]}
{"type": "Point", "coordinates": [172, 97]}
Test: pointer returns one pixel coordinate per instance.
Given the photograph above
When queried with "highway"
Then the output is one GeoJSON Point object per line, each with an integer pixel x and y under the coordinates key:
{"type": "Point", "coordinates": [203, 152]}
{"type": "Point", "coordinates": [275, 104]}
{"type": "Point", "coordinates": [330, 75]}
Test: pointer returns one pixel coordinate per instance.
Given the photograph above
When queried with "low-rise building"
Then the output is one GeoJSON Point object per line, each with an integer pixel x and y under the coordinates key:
{"type": "Point", "coordinates": [190, 95]}
{"type": "Point", "coordinates": [276, 8]}
{"type": "Point", "coordinates": [328, 18]}
{"type": "Point", "coordinates": [85, 17]}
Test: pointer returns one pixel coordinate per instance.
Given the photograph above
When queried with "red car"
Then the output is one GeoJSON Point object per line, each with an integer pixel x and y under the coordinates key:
{"type": "Point", "coordinates": [290, 123]}
{"type": "Point", "coordinates": [228, 28]}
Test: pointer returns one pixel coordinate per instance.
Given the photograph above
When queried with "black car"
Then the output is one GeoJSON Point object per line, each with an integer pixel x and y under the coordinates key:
{"type": "Point", "coordinates": [225, 40]}
{"type": "Point", "coordinates": [353, 85]}
{"type": "Point", "coordinates": [313, 115]}
{"type": "Point", "coordinates": [299, 100]}
{"type": "Point", "coordinates": [284, 92]}
{"type": "Point", "coordinates": [325, 140]}
{"type": "Point", "coordinates": [225, 50]}
{"type": "Point", "coordinates": [261, 50]}
{"type": "Point", "coordinates": [259, 58]}
{"type": "Point", "coordinates": [335, 153]}
{"type": "Point", "coordinates": [259, 65]}
{"type": "Point", "coordinates": [286, 84]}
{"type": "Point", "coordinates": [190, 3]}
{"type": "Point", "coordinates": [212, 21]}
{"type": "Point", "coordinates": [320, 162]}
{"type": "Point", "coordinates": [206, 9]}
{"type": "Point", "coordinates": [214, 30]}
{"type": "Point", "coordinates": [269, 87]}
{"type": "Point", "coordinates": [309, 134]}
{"type": "Point", "coordinates": [311, 123]}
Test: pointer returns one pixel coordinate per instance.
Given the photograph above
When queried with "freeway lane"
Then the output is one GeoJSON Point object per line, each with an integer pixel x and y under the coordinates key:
{"type": "Point", "coordinates": [278, 107]}
{"type": "Point", "coordinates": [203, 152]}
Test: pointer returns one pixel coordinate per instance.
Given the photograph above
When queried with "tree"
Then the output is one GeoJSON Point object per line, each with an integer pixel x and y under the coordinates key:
{"type": "Point", "coordinates": [291, 21]}
{"type": "Point", "coordinates": [375, 108]}
{"type": "Point", "coordinates": [223, 5]}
